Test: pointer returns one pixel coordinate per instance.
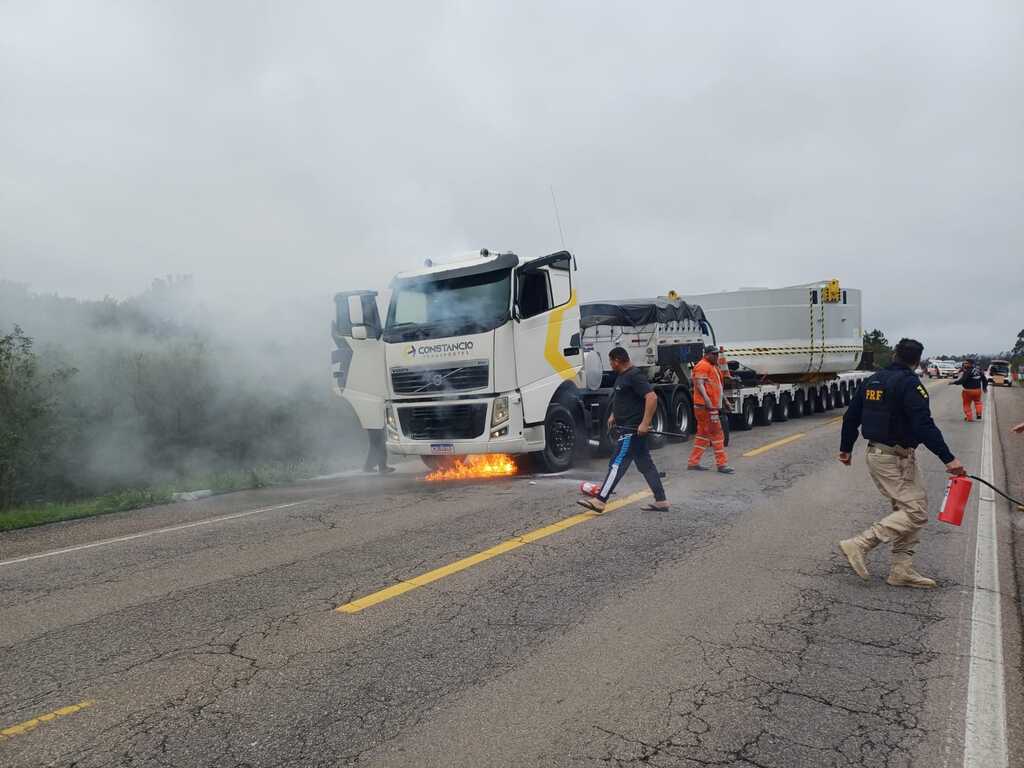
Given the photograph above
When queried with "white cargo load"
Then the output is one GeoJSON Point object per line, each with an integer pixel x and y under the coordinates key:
{"type": "Point", "coordinates": [796, 333]}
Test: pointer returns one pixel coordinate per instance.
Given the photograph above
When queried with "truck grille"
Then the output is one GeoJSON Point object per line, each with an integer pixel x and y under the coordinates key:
{"type": "Point", "coordinates": [469, 375]}
{"type": "Point", "coordinates": [443, 422]}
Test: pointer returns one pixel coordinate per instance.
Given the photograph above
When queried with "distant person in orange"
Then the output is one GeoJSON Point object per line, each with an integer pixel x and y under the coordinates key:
{"type": "Point", "coordinates": [707, 405]}
{"type": "Point", "coordinates": [974, 382]}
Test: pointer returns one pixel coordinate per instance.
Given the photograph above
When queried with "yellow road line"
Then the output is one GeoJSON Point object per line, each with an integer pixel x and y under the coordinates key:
{"type": "Point", "coordinates": [35, 722]}
{"type": "Point", "coordinates": [468, 562]}
{"type": "Point", "coordinates": [776, 444]}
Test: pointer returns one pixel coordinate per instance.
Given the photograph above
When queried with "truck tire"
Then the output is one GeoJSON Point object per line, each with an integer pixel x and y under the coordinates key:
{"type": "Point", "coordinates": [605, 438]}
{"type": "Point", "coordinates": [846, 395]}
{"type": "Point", "coordinates": [744, 420]}
{"type": "Point", "coordinates": [818, 401]}
{"type": "Point", "coordinates": [561, 438]}
{"type": "Point", "coordinates": [782, 409]}
{"type": "Point", "coordinates": [765, 414]}
{"type": "Point", "coordinates": [682, 415]}
{"type": "Point", "coordinates": [659, 423]}
{"type": "Point", "coordinates": [798, 408]}
{"type": "Point", "coordinates": [726, 429]}
{"type": "Point", "coordinates": [827, 401]}
{"type": "Point", "coordinates": [434, 463]}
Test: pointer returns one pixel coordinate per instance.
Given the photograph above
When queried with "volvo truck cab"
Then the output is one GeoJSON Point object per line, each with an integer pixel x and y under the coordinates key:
{"type": "Point", "coordinates": [477, 355]}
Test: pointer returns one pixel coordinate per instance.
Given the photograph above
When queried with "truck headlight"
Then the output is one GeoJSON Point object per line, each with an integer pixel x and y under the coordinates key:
{"type": "Point", "coordinates": [499, 414]}
{"type": "Point", "coordinates": [392, 422]}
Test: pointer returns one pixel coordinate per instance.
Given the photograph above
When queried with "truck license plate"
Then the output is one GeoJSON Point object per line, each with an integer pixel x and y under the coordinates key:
{"type": "Point", "coordinates": [443, 449]}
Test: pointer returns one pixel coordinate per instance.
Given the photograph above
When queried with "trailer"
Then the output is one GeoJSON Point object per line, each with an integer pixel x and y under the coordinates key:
{"type": "Point", "coordinates": [762, 404]}
{"type": "Point", "coordinates": [666, 337]}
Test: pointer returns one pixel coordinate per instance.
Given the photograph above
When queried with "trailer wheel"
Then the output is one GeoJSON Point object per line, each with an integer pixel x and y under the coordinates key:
{"type": "Point", "coordinates": [798, 407]}
{"type": "Point", "coordinates": [726, 427]}
{"type": "Point", "coordinates": [744, 420]}
{"type": "Point", "coordinates": [818, 401]}
{"type": "Point", "coordinates": [782, 410]}
{"type": "Point", "coordinates": [682, 415]}
{"type": "Point", "coordinates": [847, 394]}
{"type": "Point", "coordinates": [827, 401]}
{"type": "Point", "coordinates": [560, 440]}
{"type": "Point", "coordinates": [766, 412]}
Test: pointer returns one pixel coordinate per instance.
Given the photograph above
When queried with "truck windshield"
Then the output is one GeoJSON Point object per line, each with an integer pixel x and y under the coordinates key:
{"type": "Point", "coordinates": [433, 308]}
{"type": "Point", "coordinates": [999, 367]}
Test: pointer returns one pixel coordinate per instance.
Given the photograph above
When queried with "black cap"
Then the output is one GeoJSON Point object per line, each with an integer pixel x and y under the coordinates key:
{"type": "Point", "coordinates": [710, 350]}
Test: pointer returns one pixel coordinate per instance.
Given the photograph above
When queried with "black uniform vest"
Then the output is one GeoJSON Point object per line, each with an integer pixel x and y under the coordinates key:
{"type": "Point", "coordinates": [883, 393]}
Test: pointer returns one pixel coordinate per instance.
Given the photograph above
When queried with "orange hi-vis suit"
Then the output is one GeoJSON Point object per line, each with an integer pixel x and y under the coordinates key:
{"type": "Point", "coordinates": [709, 425]}
{"type": "Point", "coordinates": [974, 382]}
{"type": "Point", "coordinates": [972, 396]}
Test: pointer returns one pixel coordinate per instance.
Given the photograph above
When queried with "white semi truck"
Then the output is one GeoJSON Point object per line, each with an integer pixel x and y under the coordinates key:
{"type": "Point", "coordinates": [493, 353]}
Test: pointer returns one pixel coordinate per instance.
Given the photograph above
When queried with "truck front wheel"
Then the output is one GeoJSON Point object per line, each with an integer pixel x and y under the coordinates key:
{"type": "Point", "coordinates": [560, 438]}
{"type": "Point", "coordinates": [435, 463]}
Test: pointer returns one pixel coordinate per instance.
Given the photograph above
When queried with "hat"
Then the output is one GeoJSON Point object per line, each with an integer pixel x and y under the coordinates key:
{"type": "Point", "coordinates": [710, 350]}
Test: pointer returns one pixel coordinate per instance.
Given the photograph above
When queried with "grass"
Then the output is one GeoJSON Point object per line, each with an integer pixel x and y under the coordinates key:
{"type": "Point", "coordinates": [261, 476]}
{"type": "Point", "coordinates": [280, 473]}
{"type": "Point", "coordinates": [38, 514]}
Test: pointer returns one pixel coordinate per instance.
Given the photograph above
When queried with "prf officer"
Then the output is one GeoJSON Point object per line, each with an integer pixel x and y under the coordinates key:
{"type": "Point", "coordinates": [891, 409]}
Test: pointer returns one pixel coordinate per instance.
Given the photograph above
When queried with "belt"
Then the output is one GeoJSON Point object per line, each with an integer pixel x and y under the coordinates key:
{"type": "Point", "coordinates": [891, 450]}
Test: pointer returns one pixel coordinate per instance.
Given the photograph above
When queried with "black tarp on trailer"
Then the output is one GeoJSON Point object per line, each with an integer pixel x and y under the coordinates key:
{"type": "Point", "coordinates": [638, 312]}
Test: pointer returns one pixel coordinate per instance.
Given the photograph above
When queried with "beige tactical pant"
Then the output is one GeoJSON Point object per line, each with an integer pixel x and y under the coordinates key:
{"type": "Point", "coordinates": [895, 472]}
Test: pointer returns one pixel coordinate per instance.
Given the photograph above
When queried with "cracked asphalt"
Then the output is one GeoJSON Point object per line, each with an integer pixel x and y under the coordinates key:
{"type": "Point", "coordinates": [724, 632]}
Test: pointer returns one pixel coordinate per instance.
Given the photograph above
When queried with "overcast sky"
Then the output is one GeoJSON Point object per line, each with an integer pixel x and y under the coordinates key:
{"type": "Point", "coordinates": [297, 148]}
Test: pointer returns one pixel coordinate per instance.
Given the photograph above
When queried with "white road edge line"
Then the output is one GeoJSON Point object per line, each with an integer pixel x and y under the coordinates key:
{"type": "Point", "coordinates": [154, 532]}
{"type": "Point", "coordinates": [985, 743]}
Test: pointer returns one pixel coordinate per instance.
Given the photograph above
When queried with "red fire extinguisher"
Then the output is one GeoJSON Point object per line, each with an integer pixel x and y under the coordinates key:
{"type": "Point", "coordinates": [958, 490]}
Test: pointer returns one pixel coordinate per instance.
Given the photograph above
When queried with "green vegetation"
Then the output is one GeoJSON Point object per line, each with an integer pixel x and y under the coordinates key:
{"type": "Point", "coordinates": [158, 392]}
{"type": "Point", "coordinates": [37, 514]}
{"type": "Point", "coordinates": [877, 348]}
{"type": "Point", "coordinates": [263, 476]}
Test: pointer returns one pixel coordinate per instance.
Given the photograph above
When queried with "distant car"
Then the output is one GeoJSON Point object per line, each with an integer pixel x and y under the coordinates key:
{"type": "Point", "coordinates": [999, 373]}
{"type": "Point", "coordinates": [946, 369]}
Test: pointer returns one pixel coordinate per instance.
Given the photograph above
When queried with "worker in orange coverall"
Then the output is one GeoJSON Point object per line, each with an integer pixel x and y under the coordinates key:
{"type": "Point", "coordinates": [975, 383]}
{"type": "Point", "coordinates": [707, 405]}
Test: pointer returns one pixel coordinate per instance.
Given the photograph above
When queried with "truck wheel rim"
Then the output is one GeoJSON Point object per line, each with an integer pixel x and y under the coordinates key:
{"type": "Point", "coordinates": [682, 417]}
{"type": "Point", "coordinates": [563, 438]}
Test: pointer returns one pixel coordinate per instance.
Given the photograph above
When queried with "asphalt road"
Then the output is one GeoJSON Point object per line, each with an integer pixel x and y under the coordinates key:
{"type": "Point", "coordinates": [724, 632]}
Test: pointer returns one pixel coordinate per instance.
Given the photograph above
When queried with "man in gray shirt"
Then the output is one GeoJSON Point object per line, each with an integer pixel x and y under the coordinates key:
{"type": "Point", "coordinates": [633, 405]}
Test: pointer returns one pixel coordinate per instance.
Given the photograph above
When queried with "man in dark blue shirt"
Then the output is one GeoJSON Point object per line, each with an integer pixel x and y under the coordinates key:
{"type": "Point", "coordinates": [975, 384]}
{"type": "Point", "coordinates": [633, 405]}
{"type": "Point", "coordinates": [891, 409]}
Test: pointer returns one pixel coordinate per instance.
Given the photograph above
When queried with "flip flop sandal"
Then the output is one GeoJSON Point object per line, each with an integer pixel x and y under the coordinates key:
{"type": "Point", "coordinates": [590, 505]}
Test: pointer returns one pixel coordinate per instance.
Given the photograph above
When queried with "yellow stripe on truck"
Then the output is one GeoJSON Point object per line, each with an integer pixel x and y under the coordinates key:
{"type": "Point", "coordinates": [553, 341]}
